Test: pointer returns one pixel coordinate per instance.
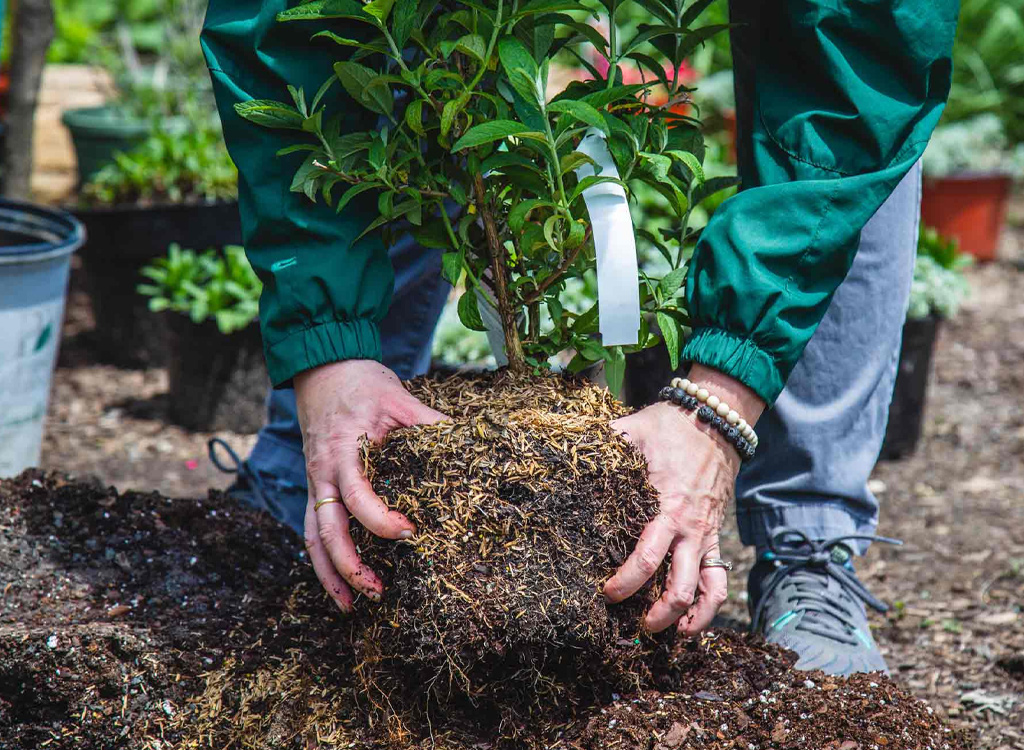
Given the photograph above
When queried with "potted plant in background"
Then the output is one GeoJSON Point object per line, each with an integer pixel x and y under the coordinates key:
{"type": "Point", "coordinates": [159, 76]}
{"type": "Point", "coordinates": [969, 170]}
{"type": "Point", "coordinates": [209, 302]}
{"type": "Point", "coordinates": [174, 187]}
{"type": "Point", "coordinates": [937, 291]}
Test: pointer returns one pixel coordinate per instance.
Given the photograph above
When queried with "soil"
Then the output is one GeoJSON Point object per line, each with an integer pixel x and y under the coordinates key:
{"type": "Point", "coordinates": [137, 621]}
{"type": "Point", "coordinates": [954, 638]}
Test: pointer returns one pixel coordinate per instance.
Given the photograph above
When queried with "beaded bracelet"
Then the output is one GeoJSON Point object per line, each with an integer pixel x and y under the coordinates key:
{"type": "Point", "coordinates": [712, 410]}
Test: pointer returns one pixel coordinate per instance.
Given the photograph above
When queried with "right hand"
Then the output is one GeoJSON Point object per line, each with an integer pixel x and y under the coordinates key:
{"type": "Point", "coordinates": [338, 404]}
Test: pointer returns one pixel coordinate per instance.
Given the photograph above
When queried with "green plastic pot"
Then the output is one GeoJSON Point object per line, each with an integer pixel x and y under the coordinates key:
{"type": "Point", "coordinates": [99, 132]}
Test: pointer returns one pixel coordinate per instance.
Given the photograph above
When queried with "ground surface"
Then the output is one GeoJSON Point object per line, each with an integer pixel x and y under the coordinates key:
{"type": "Point", "coordinates": [956, 636]}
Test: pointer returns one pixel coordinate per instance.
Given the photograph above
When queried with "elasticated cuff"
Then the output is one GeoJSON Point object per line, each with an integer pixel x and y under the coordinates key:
{"type": "Point", "coordinates": [738, 358]}
{"type": "Point", "coordinates": [320, 345]}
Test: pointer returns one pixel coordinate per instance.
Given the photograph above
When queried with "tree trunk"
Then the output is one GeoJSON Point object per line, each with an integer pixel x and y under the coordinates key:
{"type": "Point", "coordinates": [509, 326]}
{"type": "Point", "coordinates": [32, 32]}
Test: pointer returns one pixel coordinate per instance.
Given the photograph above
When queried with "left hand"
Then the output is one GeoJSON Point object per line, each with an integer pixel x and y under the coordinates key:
{"type": "Point", "coordinates": [694, 471]}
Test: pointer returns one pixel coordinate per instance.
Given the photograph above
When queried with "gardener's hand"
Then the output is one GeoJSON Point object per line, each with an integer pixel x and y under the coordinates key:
{"type": "Point", "coordinates": [338, 404]}
{"type": "Point", "coordinates": [694, 470]}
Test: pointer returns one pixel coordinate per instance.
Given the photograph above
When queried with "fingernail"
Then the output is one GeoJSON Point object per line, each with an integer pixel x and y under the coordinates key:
{"type": "Point", "coordinates": [406, 534]}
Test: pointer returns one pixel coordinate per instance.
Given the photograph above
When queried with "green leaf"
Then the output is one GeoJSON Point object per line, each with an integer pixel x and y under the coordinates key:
{"type": "Point", "coordinates": [517, 216]}
{"type": "Point", "coordinates": [469, 313]}
{"type": "Point", "coordinates": [521, 68]}
{"type": "Point", "coordinates": [574, 160]}
{"type": "Point", "coordinates": [374, 47]}
{"type": "Point", "coordinates": [589, 182]}
{"type": "Point", "coordinates": [326, 9]}
{"type": "Point", "coordinates": [712, 186]}
{"type": "Point", "coordinates": [379, 9]}
{"type": "Point", "coordinates": [601, 99]}
{"type": "Point", "coordinates": [657, 164]}
{"type": "Point", "coordinates": [672, 281]}
{"type": "Point", "coordinates": [414, 117]}
{"type": "Point", "coordinates": [488, 132]}
{"type": "Point", "coordinates": [362, 85]}
{"type": "Point", "coordinates": [473, 45]}
{"type": "Point", "coordinates": [270, 114]}
{"type": "Point", "coordinates": [670, 334]}
{"type": "Point", "coordinates": [614, 369]}
{"type": "Point", "coordinates": [582, 112]}
{"type": "Point", "coordinates": [549, 230]}
{"type": "Point", "coordinates": [451, 267]}
{"type": "Point", "coordinates": [451, 111]}
{"type": "Point", "coordinates": [691, 163]}
{"type": "Point", "coordinates": [550, 6]}
{"type": "Point", "coordinates": [352, 192]}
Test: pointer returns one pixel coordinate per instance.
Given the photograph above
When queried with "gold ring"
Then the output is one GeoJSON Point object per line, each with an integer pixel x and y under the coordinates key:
{"type": "Point", "coordinates": [326, 501]}
{"type": "Point", "coordinates": [715, 562]}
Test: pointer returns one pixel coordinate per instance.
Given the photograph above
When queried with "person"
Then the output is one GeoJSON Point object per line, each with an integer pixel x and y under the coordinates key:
{"type": "Point", "coordinates": [797, 291]}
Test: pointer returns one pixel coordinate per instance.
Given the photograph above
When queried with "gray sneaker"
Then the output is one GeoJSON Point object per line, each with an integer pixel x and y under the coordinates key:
{"type": "Point", "coordinates": [805, 596]}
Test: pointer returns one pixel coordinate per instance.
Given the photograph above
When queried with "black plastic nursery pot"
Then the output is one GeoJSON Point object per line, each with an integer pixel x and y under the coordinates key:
{"type": "Point", "coordinates": [123, 239]}
{"type": "Point", "coordinates": [218, 382]}
{"type": "Point", "coordinates": [97, 133]}
{"type": "Point", "coordinates": [647, 372]}
{"type": "Point", "coordinates": [906, 412]}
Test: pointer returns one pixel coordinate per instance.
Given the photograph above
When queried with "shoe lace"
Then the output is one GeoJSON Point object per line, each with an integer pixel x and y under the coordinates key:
{"type": "Point", "coordinates": [804, 562]}
{"type": "Point", "coordinates": [241, 468]}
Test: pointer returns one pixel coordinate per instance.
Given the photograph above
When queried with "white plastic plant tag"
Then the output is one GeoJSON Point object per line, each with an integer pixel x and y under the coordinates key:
{"type": "Point", "coordinates": [618, 291]}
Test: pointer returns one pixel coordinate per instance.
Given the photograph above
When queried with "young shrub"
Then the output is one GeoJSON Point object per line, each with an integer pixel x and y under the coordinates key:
{"type": "Point", "coordinates": [475, 155]}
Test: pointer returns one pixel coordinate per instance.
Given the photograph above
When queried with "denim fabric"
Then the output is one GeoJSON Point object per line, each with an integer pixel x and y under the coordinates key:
{"type": "Point", "coordinates": [820, 442]}
{"type": "Point", "coordinates": [407, 333]}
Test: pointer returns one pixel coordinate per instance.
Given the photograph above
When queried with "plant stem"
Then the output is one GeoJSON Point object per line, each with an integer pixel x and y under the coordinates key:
{"type": "Point", "coordinates": [490, 49]}
{"type": "Point", "coordinates": [355, 181]}
{"type": "Point", "coordinates": [513, 344]}
{"type": "Point", "coordinates": [567, 261]}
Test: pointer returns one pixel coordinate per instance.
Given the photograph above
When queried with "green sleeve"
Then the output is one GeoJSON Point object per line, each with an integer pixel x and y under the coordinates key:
{"type": "Point", "coordinates": [324, 293]}
{"type": "Point", "coordinates": [846, 95]}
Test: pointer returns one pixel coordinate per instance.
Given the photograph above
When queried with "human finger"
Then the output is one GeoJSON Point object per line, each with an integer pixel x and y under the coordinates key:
{"type": "Point", "coordinates": [363, 503]}
{"type": "Point", "coordinates": [333, 529]}
{"type": "Point", "coordinates": [680, 586]}
{"type": "Point", "coordinates": [329, 578]}
{"type": "Point", "coordinates": [646, 558]}
{"type": "Point", "coordinates": [714, 590]}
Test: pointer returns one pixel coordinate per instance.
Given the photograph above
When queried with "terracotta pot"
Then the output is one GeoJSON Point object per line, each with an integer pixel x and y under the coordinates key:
{"type": "Point", "coordinates": [970, 207]}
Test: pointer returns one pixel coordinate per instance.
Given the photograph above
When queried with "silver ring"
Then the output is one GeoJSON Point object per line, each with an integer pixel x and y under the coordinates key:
{"type": "Point", "coordinates": [715, 562]}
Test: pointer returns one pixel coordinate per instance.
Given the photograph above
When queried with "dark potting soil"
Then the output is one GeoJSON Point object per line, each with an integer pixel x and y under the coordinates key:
{"type": "Point", "coordinates": [137, 621]}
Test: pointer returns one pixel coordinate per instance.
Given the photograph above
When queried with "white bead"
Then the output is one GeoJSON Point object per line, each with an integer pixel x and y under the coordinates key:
{"type": "Point", "coordinates": [677, 383]}
{"type": "Point", "coordinates": [692, 389]}
{"type": "Point", "coordinates": [714, 401]}
{"type": "Point", "coordinates": [702, 394]}
{"type": "Point", "coordinates": [732, 417]}
{"type": "Point", "coordinates": [685, 384]}
{"type": "Point", "coordinates": [742, 426]}
{"type": "Point", "coordinates": [723, 409]}
{"type": "Point", "coordinates": [746, 431]}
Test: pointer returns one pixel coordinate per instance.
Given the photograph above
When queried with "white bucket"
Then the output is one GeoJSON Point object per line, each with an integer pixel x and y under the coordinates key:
{"type": "Point", "coordinates": [36, 244]}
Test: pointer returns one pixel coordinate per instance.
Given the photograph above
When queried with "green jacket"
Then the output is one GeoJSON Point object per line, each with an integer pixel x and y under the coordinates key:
{"type": "Point", "coordinates": [847, 93]}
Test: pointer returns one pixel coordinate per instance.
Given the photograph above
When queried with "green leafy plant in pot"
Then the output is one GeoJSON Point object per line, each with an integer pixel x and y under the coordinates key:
{"type": "Point", "coordinates": [210, 302]}
{"type": "Point", "coordinates": [474, 155]}
{"type": "Point", "coordinates": [938, 289]}
{"type": "Point", "coordinates": [174, 187]}
{"type": "Point", "coordinates": [969, 170]}
{"type": "Point", "coordinates": [159, 78]}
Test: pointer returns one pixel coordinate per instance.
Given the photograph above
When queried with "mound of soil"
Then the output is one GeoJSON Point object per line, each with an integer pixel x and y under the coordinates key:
{"type": "Point", "coordinates": [525, 503]}
{"type": "Point", "coordinates": [136, 621]}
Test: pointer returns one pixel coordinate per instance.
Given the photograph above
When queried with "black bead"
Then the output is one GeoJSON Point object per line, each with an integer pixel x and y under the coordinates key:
{"type": "Point", "coordinates": [716, 422]}
{"type": "Point", "coordinates": [678, 394]}
{"type": "Point", "coordinates": [732, 434]}
{"type": "Point", "coordinates": [705, 414]}
{"type": "Point", "coordinates": [750, 451]}
{"type": "Point", "coordinates": [665, 394]}
{"type": "Point", "coordinates": [741, 446]}
{"type": "Point", "coordinates": [692, 402]}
